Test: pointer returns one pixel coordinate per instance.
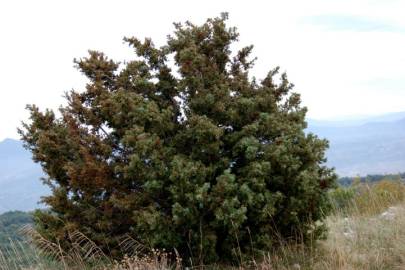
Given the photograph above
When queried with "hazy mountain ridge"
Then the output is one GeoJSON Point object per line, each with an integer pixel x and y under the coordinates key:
{"type": "Point", "coordinates": [357, 120]}
{"type": "Point", "coordinates": [375, 146]}
{"type": "Point", "coordinates": [20, 185]}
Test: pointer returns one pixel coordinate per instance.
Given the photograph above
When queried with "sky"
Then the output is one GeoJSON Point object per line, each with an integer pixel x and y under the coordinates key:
{"type": "Point", "coordinates": [345, 57]}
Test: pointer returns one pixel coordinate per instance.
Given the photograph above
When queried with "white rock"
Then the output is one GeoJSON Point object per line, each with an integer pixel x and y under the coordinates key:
{"type": "Point", "coordinates": [388, 215]}
{"type": "Point", "coordinates": [297, 266]}
{"type": "Point", "coordinates": [348, 233]}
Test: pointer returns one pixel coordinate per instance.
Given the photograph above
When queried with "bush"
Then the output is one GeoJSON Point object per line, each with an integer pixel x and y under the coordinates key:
{"type": "Point", "coordinates": [342, 198]}
{"type": "Point", "coordinates": [367, 198]}
{"type": "Point", "coordinates": [390, 191]}
{"type": "Point", "coordinates": [374, 198]}
{"type": "Point", "coordinates": [201, 159]}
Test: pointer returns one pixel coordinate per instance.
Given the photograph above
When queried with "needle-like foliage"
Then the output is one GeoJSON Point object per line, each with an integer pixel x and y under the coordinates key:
{"type": "Point", "coordinates": [181, 149]}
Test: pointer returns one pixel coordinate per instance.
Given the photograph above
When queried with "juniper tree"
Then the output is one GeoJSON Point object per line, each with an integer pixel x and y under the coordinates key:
{"type": "Point", "coordinates": [181, 148]}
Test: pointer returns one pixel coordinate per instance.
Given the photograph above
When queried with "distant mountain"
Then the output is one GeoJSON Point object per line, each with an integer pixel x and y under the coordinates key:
{"type": "Point", "coordinates": [20, 185]}
{"type": "Point", "coordinates": [357, 120]}
{"type": "Point", "coordinates": [373, 145]}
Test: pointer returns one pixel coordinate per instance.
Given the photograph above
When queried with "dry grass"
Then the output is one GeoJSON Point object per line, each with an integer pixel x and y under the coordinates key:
{"type": "Point", "coordinates": [355, 242]}
{"type": "Point", "coordinates": [367, 242]}
{"type": "Point", "coordinates": [40, 254]}
{"type": "Point", "coordinates": [371, 235]}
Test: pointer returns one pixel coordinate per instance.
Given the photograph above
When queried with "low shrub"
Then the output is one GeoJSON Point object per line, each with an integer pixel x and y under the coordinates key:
{"type": "Point", "coordinates": [342, 198]}
{"type": "Point", "coordinates": [200, 159]}
{"type": "Point", "coordinates": [367, 198]}
{"type": "Point", "coordinates": [374, 198]}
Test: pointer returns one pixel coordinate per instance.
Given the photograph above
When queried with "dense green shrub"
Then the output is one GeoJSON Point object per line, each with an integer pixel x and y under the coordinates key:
{"type": "Point", "coordinates": [190, 154]}
{"type": "Point", "coordinates": [342, 198]}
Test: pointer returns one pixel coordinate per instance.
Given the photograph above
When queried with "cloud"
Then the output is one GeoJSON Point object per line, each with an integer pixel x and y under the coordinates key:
{"type": "Point", "coordinates": [387, 85]}
{"type": "Point", "coordinates": [352, 23]}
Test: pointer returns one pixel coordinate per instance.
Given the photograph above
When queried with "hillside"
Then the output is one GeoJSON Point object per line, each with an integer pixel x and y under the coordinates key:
{"type": "Point", "coordinates": [371, 146]}
{"type": "Point", "coordinates": [10, 225]}
{"type": "Point", "coordinates": [20, 186]}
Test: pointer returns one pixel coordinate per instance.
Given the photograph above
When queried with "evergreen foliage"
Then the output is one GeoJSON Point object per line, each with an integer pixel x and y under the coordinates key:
{"type": "Point", "coordinates": [180, 148]}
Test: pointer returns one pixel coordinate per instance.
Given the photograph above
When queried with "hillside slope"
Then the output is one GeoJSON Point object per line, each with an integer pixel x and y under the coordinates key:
{"type": "Point", "coordinates": [20, 185]}
{"type": "Point", "coordinates": [10, 226]}
{"type": "Point", "coordinates": [365, 148]}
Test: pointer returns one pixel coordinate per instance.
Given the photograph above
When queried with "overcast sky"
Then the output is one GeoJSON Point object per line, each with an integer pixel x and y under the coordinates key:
{"type": "Point", "coordinates": [346, 57]}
